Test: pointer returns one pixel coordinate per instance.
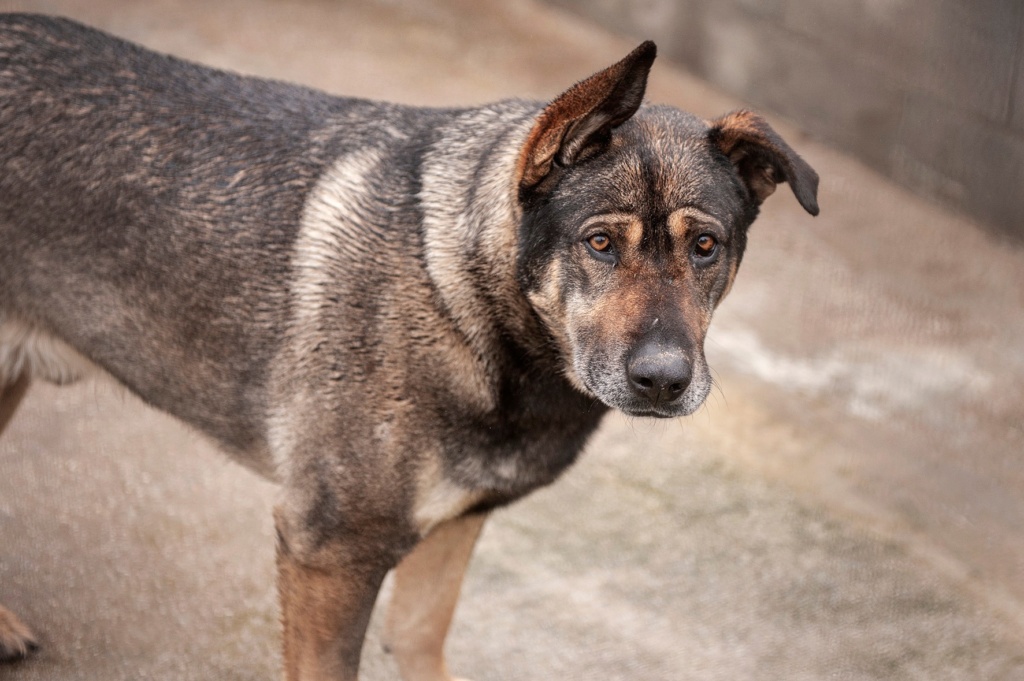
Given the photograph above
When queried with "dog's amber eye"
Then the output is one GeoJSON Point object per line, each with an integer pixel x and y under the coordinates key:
{"type": "Point", "coordinates": [706, 245]}
{"type": "Point", "coordinates": [600, 242]}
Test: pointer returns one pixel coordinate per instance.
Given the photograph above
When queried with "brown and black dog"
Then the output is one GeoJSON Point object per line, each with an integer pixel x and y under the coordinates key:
{"type": "Point", "coordinates": [405, 316]}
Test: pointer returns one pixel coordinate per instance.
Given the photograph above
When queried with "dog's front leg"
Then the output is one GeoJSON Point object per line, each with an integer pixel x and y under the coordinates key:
{"type": "Point", "coordinates": [427, 584]}
{"type": "Point", "coordinates": [11, 395]}
{"type": "Point", "coordinates": [325, 606]}
{"type": "Point", "coordinates": [16, 640]}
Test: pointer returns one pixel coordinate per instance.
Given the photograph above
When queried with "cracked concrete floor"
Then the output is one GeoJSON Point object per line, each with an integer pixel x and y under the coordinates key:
{"type": "Point", "coordinates": [848, 506]}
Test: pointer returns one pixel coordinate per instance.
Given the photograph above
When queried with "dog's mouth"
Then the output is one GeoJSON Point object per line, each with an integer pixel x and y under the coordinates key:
{"type": "Point", "coordinates": [617, 394]}
{"type": "Point", "coordinates": [669, 411]}
{"type": "Point", "coordinates": [687, 404]}
{"type": "Point", "coordinates": [650, 413]}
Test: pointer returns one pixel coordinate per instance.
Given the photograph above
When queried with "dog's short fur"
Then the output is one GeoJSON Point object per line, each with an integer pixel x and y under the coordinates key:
{"type": "Point", "coordinates": [404, 316]}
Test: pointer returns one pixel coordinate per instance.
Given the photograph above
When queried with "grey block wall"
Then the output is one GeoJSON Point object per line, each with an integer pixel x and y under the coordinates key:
{"type": "Point", "coordinates": [929, 92]}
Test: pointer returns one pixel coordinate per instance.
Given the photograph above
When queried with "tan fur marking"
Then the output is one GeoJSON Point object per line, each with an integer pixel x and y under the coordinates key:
{"type": "Point", "coordinates": [733, 267]}
{"type": "Point", "coordinates": [324, 613]}
{"type": "Point", "coordinates": [681, 221]}
{"type": "Point", "coordinates": [626, 229]}
{"type": "Point", "coordinates": [548, 304]}
{"type": "Point", "coordinates": [634, 233]}
{"type": "Point", "coordinates": [439, 499]}
{"type": "Point", "coordinates": [618, 312]}
{"type": "Point", "coordinates": [16, 639]}
{"type": "Point", "coordinates": [427, 585]}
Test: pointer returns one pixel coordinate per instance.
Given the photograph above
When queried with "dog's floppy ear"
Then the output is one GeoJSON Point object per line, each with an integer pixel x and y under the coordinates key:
{"type": "Point", "coordinates": [579, 122]}
{"type": "Point", "coordinates": [763, 159]}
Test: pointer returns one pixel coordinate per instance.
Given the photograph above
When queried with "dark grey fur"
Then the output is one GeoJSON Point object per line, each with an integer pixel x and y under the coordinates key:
{"type": "Point", "coordinates": [152, 215]}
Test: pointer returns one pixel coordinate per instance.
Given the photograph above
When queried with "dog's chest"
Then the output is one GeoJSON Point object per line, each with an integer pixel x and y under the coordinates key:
{"type": "Point", "coordinates": [486, 461]}
{"type": "Point", "coordinates": [512, 452]}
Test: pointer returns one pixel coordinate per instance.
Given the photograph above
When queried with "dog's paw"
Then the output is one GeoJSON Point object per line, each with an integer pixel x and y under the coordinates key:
{"type": "Point", "coordinates": [16, 639]}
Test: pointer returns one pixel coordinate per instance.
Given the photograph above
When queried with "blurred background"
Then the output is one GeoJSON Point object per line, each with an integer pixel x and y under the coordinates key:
{"type": "Point", "coordinates": [849, 504]}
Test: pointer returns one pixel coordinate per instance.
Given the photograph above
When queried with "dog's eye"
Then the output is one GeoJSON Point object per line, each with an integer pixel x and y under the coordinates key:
{"type": "Point", "coordinates": [600, 243]}
{"type": "Point", "coordinates": [706, 246]}
{"type": "Point", "coordinates": [600, 247]}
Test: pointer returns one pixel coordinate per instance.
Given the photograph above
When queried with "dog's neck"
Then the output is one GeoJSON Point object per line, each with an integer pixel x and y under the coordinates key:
{"type": "Point", "coordinates": [471, 220]}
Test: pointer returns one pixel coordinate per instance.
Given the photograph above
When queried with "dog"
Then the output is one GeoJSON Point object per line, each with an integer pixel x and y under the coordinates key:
{"type": "Point", "coordinates": [405, 316]}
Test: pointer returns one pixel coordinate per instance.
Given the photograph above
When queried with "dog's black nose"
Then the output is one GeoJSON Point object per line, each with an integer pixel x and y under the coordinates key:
{"type": "Point", "coordinates": [659, 372]}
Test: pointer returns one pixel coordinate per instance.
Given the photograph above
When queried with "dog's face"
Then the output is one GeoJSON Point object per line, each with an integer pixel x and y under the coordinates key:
{"type": "Point", "coordinates": [633, 228]}
{"type": "Point", "coordinates": [628, 257]}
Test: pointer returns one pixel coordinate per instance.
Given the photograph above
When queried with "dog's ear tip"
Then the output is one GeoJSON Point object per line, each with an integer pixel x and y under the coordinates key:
{"type": "Point", "coordinates": [806, 190]}
{"type": "Point", "coordinates": [810, 202]}
{"type": "Point", "coordinates": [642, 57]}
{"type": "Point", "coordinates": [646, 50]}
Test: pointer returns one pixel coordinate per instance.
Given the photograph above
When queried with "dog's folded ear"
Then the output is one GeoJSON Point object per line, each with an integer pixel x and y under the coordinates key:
{"type": "Point", "coordinates": [763, 159]}
{"type": "Point", "coordinates": [578, 124]}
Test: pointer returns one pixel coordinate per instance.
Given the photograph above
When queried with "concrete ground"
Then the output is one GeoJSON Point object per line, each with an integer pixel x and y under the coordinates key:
{"type": "Point", "coordinates": [850, 504]}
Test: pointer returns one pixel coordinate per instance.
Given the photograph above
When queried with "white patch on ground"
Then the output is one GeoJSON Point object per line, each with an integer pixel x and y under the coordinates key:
{"type": "Point", "coordinates": [873, 383]}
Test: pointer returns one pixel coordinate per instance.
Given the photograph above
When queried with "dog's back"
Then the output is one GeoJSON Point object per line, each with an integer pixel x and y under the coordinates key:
{"type": "Point", "coordinates": [119, 184]}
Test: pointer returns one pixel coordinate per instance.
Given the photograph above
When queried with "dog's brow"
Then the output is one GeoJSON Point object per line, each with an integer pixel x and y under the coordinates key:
{"type": "Point", "coordinates": [629, 224]}
{"type": "Point", "coordinates": [678, 220]}
{"type": "Point", "coordinates": [611, 219]}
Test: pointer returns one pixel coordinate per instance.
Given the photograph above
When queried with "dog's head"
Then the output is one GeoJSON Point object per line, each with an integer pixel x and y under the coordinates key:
{"type": "Point", "coordinates": [634, 224]}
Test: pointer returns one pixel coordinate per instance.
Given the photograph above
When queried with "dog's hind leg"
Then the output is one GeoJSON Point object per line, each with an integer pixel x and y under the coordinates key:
{"type": "Point", "coordinates": [427, 584]}
{"type": "Point", "coordinates": [16, 640]}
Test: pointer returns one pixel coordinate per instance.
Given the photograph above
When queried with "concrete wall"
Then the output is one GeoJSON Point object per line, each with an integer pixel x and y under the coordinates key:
{"type": "Point", "coordinates": [929, 92]}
